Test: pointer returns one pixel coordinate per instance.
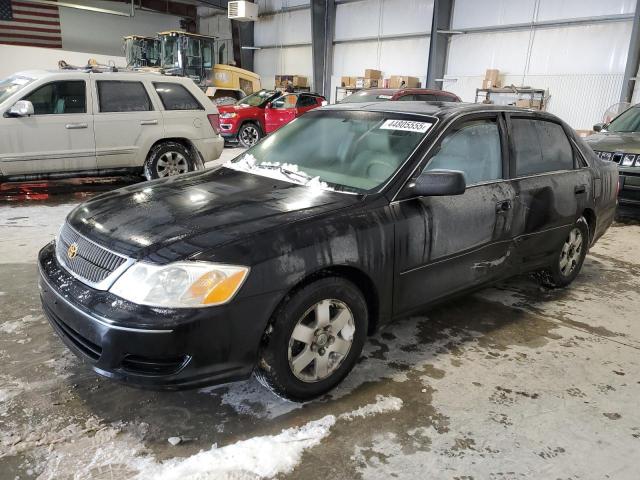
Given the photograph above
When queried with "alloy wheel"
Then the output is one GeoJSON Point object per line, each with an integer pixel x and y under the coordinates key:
{"type": "Point", "coordinates": [321, 340]}
{"type": "Point", "coordinates": [250, 135]}
{"type": "Point", "coordinates": [171, 163]}
{"type": "Point", "coordinates": [571, 252]}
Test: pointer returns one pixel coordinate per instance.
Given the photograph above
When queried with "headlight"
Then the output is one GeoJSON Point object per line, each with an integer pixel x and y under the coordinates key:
{"type": "Point", "coordinates": [628, 160]}
{"type": "Point", "coordinates": [605, 156]}
{"type": "Point", "coordinates": [180, 284]}
{"type": "Point", "coordinates": [228, 115]}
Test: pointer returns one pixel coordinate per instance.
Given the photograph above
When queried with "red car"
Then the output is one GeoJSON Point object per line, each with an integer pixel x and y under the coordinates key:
{"type": "Point", "coordinates": [283, 109]}
{"type": "Point", "coordinates": [405, 94]}
{"type": "Point", "coordinates": [246, 121]}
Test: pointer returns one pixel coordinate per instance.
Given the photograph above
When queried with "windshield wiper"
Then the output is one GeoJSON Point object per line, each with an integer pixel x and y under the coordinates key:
{"type": "Point", "coordinates": [287, 172]}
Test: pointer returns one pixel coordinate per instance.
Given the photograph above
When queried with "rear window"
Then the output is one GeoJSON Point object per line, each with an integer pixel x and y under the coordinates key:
{"type": "Point", "coordinates": [540, 147]}
{"type": "Point", "coordinates": [176, 97]}
{"type": "Point", "coordinates": [122, 96]}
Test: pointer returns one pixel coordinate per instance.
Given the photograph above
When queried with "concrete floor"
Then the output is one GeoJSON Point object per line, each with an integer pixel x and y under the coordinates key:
{"type": "Point", "coordinates": [513, 382]}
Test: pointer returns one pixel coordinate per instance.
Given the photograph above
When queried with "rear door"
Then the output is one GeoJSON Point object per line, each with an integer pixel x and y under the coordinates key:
{"type": "Point", "coordinates": [551, 187]}
{"type": "Point", "coordinates": [58, 137]}
{"type": "Point", "coordinates": [280, 112]}
{"type": "Point", "coordinates": [306, 103]}
{"type": "Point", "coordinates": [447, 244]}
{"type": "Point", "coordinates": [127, 123]}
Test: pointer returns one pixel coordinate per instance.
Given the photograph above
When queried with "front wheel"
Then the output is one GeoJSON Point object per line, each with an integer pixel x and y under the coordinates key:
{"type": "Point", "coordinates": [315, 339]}
{"type": "Point", "coordinates": [168, 159]}
{"type": "Point", "coordinates": [569, 259]}
{"type": "Point", "coordinates": [249, 134]}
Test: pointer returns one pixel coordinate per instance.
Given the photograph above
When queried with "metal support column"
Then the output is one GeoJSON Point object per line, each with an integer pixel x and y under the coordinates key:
{"type": "Point", "coordinates": [242, 34]}
{"type": "Point", "coordinates": [439, 42]}
{"type": "Point", "coordinates": [633, 59]}
{"type": "Point", "coordinates": [323, 20]}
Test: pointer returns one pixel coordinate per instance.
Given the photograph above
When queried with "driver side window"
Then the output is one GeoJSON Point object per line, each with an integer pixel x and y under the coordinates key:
{"type": "Point", "coordinates": [472, 147]}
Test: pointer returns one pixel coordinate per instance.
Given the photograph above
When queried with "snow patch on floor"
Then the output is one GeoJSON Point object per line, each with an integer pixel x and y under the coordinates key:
{"type": "Point", "coordinates": [383, 404]}
{"type": "Point", "coordinates": [17, 325]}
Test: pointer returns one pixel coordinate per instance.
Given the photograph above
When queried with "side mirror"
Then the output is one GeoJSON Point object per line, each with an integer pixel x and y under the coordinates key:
{"type": "Point", "coordinates": [22, 108]}
{"type": "Point", "coordinates": [598, 127]}
{"type": "Point", "coordinates": [439, 183]}
{"type": "Point", "coordinates": [268, 105]}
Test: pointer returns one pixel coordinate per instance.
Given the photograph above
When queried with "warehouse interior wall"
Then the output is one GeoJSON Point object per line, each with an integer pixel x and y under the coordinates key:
{"type": "Point", "coordinates": [284, 40]}
{"type": "Point", "coordinates": [581, 66]}
{"type": "Point", "coordinates": [99, 33]}
{"type": "Point", "coordinates": [214, 22]}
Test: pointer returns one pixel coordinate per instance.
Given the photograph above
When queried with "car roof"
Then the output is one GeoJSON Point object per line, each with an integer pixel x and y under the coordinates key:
{"type": "Point", "coordinates": [393, 91]}
{"type": "Point", "coordinates": [37, 74]}
{"type": "Point", "coordinates": [433, 109]}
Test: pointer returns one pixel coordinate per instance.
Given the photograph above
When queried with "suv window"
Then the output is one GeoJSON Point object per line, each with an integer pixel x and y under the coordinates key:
{"type": "Point", "coordinates": [472, 147]}
{"type": "Point", "coordinates": [445, 98]}
{"type": "Point", "coordinates": [540, 147]}
{"type": "Point", "coordinates": [176, 97]}
{"type": "Point", "coordinates": [122, 96]}
{"type": "Point", "coordinates": [285, 101]}
{"type": "Point", "coordinates": [306, 101]}
{"type": "Point", "coordinates": [59, 97]}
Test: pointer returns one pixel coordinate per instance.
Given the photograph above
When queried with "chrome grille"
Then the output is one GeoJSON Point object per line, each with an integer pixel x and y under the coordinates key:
{"type": "Point", "coordinates": [617, 157]}
{"type": "Point", "coordinates": [92, 264]}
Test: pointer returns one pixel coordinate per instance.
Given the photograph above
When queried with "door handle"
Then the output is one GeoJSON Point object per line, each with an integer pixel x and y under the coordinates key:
{"type": "Point", "coordinates": [75, 126]}
{"type": "Point", "coordinates": [503, 206]}
{"type": "Point", "coordinates": [580, 189]}
{"type": "Point", "coordinates": [149, 122]}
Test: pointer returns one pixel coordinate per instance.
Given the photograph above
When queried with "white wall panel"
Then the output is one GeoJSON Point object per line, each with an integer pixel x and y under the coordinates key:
{"type": "Point", "coordinates": [472, 13]}
{"type": "Point", "coordinates": [394, 57]}
{"type": "Point", "coordinates": [274, 61]}
{"type": "Point", "coordinates": [357, 19]}
{"type": "Point", "coordinates": [283, 28]}
{"type": "Point", "coordinates": [273, 5]}
{"type": "Point", "coordinates": [555, 10]}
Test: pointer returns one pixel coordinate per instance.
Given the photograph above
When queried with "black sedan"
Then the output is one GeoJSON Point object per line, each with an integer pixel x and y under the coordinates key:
{"type": "Point", "coordinates": [283, 260]}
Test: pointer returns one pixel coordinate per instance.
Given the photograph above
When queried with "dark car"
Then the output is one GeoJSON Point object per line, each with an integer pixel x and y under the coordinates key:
{"type": "Point", "coordinates": [619, 142]}
{"type": "Point", "coordinates": [283, 260]}
{"type": "Point", "coordinates": [400, 94]}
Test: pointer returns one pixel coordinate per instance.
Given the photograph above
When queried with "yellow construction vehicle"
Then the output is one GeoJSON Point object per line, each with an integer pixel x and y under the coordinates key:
{"type": "Point", "coordinates": [199, 57]}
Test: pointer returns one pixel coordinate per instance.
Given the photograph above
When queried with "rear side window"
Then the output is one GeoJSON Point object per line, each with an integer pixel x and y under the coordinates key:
{"type": "Point", "coordinates": [118, 96]}
{"type": "Point", "coordinates": [56, 98]}
{"type": "Point", "coordinates": [445, 98]}
{"type": "Point", "coordinates": [540, 147]}
{"type": "Point", "coordinates": [176, 97]}
{"type": "Point", "coordinates": [306, 101]}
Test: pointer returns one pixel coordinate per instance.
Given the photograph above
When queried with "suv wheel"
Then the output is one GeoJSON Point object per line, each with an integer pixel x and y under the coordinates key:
{"type": "Point", "coordinates": [315, 340]}
{"type": "Point", "coordinates": [249, 134]}
{"type": "Point", "coordinates": [168, 159]}
{"type": "Point", "coordinates": [569, 259]}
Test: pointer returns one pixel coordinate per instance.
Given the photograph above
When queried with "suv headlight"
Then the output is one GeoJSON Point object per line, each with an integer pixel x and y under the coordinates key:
{"type": "Point", "coordinates": [628, 160]}
{"type": "Point", "coordinates": [228, 115]}
{"type": "Point", "coordinates": [180, 284]}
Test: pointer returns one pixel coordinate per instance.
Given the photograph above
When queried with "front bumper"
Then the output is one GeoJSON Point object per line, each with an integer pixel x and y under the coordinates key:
{"type": "Point", "coordinates": [152, 347]}
{"type": "Point", "coordinates": [629, 195]}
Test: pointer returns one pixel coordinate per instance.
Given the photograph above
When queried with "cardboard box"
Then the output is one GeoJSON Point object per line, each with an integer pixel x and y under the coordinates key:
{"type": "Point", "coordinates": [396, 81]}
{"type": "Point", "coordinates": [371, 83]}
{"type": "Point", "coordinates": [300, 81]}
{"type": "Point", "coordinates": [492, 74]}
{"type": "Point", "coordinates": [487, 84]}
{"type": "Point", "coordinates": [348, 82]}
{"type": "Point", "coordinates": [528, 103]}
{"type": "Point", "coordinates": [372, 74]}
{"type": "Point", "coordinates": [359, 82]}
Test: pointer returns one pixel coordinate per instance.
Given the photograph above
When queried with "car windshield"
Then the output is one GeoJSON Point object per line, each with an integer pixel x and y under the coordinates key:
{"type": "Point", "coordinates": [352, 151]}
{"type": "Point", "coordinates": [258, 99]}
{"type": "Point", "coordinates": [628, 121]}
{"type": "Point", "coordinates": [170, 52]}
{"type": "Point", "coordinates": [11, 85]}
{"type": "Point", "coordinates": [365, 96]}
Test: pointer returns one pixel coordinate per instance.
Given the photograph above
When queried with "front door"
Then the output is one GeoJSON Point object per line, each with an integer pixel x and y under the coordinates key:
{"type": "Point", "coordinates": [447, 244]}
{"type": "Point", "coordinates": [57, 138]}
{"type": "Point", "coordinates": [280, 112]}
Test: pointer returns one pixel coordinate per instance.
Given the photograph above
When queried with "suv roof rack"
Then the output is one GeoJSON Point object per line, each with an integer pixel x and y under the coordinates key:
{"type": "Point", "coordinates": [92, 66]}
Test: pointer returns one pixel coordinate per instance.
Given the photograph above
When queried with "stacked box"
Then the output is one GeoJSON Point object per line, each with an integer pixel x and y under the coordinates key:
{"type": "Point", "coordinates": [369, 73]}
{"type": "Point", "coordinates": [396, 81]}
{"type": "Point", "coordinates": [491, 79]}
{"type": "Point", "coordinates": [281, 81]}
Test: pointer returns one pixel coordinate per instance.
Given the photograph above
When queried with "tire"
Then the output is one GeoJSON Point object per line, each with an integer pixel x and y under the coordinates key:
{"type": "Point", "coordinates": [249, 134]}
{"type": "Point", "coordinates": [303, 357]}
{"type": "Point", "coordinates": [168, 159]}
{"type": "Point", "coordinates": [569, 258]}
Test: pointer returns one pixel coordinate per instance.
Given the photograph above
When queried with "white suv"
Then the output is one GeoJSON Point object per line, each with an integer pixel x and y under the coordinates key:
{"type": "Point", "coordinates": [78, 123]}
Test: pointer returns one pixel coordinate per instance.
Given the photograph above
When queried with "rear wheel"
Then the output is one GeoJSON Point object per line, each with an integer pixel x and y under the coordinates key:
{"type": "Point", "coordinates": [168, 159]}
{"type": "Point", "coordinates": [315, 340]}
{"type": "Point", "coordinates": [249, 134]}
{"type": "Point", "coordinates": [569, 259]}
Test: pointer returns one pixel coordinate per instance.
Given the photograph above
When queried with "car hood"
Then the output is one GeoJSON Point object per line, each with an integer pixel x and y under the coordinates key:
{"type": "Point", "coordinates": [615, 142]}
{"type": "Point", "coordinates": [189, 214]}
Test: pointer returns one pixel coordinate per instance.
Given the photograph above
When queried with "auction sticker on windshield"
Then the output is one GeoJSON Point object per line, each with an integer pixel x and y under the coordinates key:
{"type": "Point", "coordinates": [406, 125]}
